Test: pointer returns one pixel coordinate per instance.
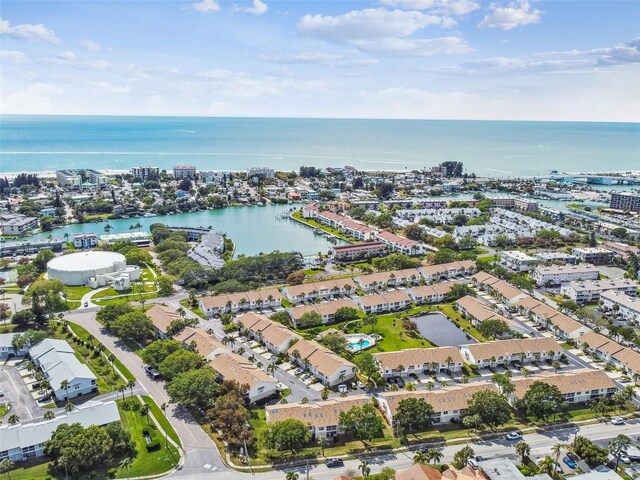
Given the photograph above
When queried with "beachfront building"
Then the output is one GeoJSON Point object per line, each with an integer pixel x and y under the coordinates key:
{"type": "Point", "coordinates": [626, 306]}
{"type": "Point", "coordinates": [449, 403]}
{"type": "Point", "coordinates": [590, 291]}
{"type": "Point", "coordinates": [325, 290]}
{"type": "Point", "coordinates": [32, 246]}
{"type": "Point", "coordinates": [274, 336]}
{"type": "Point", "coordinates": [375, 282]}
{"type": "Point", "coordinates": [419, 361]}
{"type": "Point", "coordinates": [323, 418]}
{"type": "Point", "coordinates": [22, 442]}
{"type": "Point", "coordinates": [260, 171]}
{"type": "Point", "coordinates": [184, 171]}
{"type": "Point", "coordinates": [577, 386]}
{"type": "Point", "coordinates": [327, 310]}
{"type": "Point", "coordinates": [16, 225]}
{"type": "Point", "coordinates": [85, 240]}
{"type": "Point", "coordinates": [545, 275]}
{"type": "Point", "coordinates": [384, 302]}
{"type": "Point", "coordinates": [311, 210]}
{"type": "Point", "coordinates": [517, 261]}
{"type": "Point", "coordinates": [360, 251]}
{"type": "Point", "coordinates": [235, 302]}
{"type": "Point", "coordinates": [57, 361]}
{"type": "Point", "coordinates": [502, 352]}
{"type": "Point", "coordinates": [593, 255]}
{"type": "Point", "coordinates": [625, 201]}
{"type": "Point", "coordinates": [326, 366]}
{"type": "Point", "coordinates": [7, 349]}
{"type": "Point", "coordinates": [231, 366]}
{"type": "Point", "coordinates": [81, 179]}
{"type": "Point", "coordinates": [145, 173]}
{"type": "Point", "coordinates": [397, 244]}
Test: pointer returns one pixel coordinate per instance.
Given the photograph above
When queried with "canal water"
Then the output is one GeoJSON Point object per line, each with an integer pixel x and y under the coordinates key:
{"type": "Point", "coordinates": [437, 328]}
{"type": "Point", "coordinates": [254, 229]}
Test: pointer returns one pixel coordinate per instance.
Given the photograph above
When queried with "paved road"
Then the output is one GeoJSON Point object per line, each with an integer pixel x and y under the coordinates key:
{"type": "Point", "coordinates": [201, 454]}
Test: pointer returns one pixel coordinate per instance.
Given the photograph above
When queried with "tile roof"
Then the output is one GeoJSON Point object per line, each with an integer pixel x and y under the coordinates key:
{"type": "Point", "coordinates": [235, 367]}
{"type": "Point", "coordinates": [485, 351]}
{"type": "Point", "coordinates": [325, 308]}
{"type": "Point", "coordinates": [384, 277]}
{"type": "Point", "coordinates": [204, 344]}
{"type": "Point", "coordinates": [219, 301]}
{"type": "Point", "coordinates": [419, 472]}
{"type": "Point", "coordinates": [573, 381]}
{"type": "Point", "coordinates": [162, 316]}
{"type": "Point", "coordinates": [418, 356]}
{"type": "Point", "coordinates": [319, 414]}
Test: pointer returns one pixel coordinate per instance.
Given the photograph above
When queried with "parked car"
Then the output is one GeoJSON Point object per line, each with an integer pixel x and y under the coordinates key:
{"type": "Point", "coordinates": [473, 464]}
{"type": "Point", "coordinates": [617, 421]}
{"type": "Point", "coordinates": [86, 304]}
{"type": "Point", "coordinates": [360, 385]}
{"type": "Point", "coordinates": [1, 393]}
{"type": "Point", "coordinates": [514, 436]}
{"type": "Point", "coordinates": [569, 463]}
{"type": "Point", "coordinates": [152, 372]}
{"type": "Point", "coordinates": [517, 365]}
{"type": "Point", "coordinates": [573, 457]}
{"type": "Point", "coordinates": [298, 371]}
{"type": "Point", "coordinates": [342, 388]}
{"type": "Point", "coordinates": [334, 462]}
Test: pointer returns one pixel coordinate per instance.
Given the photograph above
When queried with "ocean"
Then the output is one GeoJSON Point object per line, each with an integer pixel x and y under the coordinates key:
{"type": "Point", "coordinates": [487, 148]}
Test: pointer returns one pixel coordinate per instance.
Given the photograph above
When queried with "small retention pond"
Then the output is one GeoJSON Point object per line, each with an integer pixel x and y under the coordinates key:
{"type": "Point", "coordinates": [437, 328]}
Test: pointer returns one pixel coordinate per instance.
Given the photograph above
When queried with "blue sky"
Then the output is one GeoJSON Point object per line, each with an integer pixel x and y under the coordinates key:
{"type": "Point", "coordinates": [461, 59]}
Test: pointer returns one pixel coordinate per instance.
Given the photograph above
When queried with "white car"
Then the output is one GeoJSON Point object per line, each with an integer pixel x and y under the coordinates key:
{"type": "Point", "coordinates": [617, 421]}
{"type": "Point", "coordinates": [514, 436]}
{"type": "Point", "coordinates": [298, 371]}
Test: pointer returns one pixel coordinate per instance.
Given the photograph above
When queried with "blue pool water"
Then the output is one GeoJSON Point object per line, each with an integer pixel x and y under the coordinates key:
{"type": "Point", "coordinates": [357, 346]}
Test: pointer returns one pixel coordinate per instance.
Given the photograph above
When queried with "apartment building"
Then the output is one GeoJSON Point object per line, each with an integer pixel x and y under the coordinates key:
{"type": "Point", "coordinates": [274, 336]}
{"type": "Point", "coordinates": [235, 302]}
{"type": "Point", "coordinates": [162, 317]}
{"type": "Point", "coordinates": [361, 251]}
{"type": "Point", "coordinates": [621, 249]}
{"type": "Point", "coordinates": [199, 341]}
{"type": "Point", "coordinates": [625, 201]}
{"type": "Point", "coordinates": [577, 386]}
{"type": "Point", "coordinates": [501, 352]}
{"type": "Point", "coordinates": [384, 302]}
{"type": "Point", "coordinates": [628, 307]}
{"type": "Point", "coordinates": [396, 243]}
{"type": "Point", "coordinates": [391, 279]}
{"type": "Point", "coordinates": [445, 271]}
{"type": "Point", "coordinates": [477, 311]}
{"type": "Point", "coordinates": [591, 291]}
{"type": "Point", "coordinates": [81, 179]}
{"type": "Point", "coordinates": [419, 360]}
{"type": "Point", "coordinates": [556, 257]}
{"type": "Point", "coordinates": [184, 171]}
{"type": "Point", "coordinates": [260, 171]}
{"type": "Point", "coordinates": [7, 349]}
{"type": "Point", "coordinates": [593, 255]}
{"type": "Point", "coordinates": [517, 261]}
{"type": "Point", "coordinates": [308, 292]}
{"type": "Point", "coordinates": [85, 240]}
{"type": "Point", "coordinates": [145, 173]}
{"type": "Point", "coordinates": [326, 310]}
{"type": "Point", "coordinates": [438, 292]}
{"type": "Point", "coordinates": [599, 345]}
{"type": "Point", "coordinates": [326, 366]}
{"type": "Point", "coordinates": [449, 403]}
{"type": "Point", "coordinates": [16, 224]}
{"type": "Point", "coordinates": [559, 274]}
{"type": "Point", "coordinates": [14, 249]}
{"type": "Point", "coordinates": [230, 366]}
{"type": "Point", "coordinates": [323, 418]}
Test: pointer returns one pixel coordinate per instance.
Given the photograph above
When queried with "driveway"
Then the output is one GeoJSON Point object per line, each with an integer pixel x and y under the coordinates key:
{"type": "Point", "coordinates": [17, 393]}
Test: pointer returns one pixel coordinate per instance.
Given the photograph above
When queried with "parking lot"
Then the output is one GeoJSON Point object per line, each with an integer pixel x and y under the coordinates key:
{"type": "Point", "coordinates": [17, 393]}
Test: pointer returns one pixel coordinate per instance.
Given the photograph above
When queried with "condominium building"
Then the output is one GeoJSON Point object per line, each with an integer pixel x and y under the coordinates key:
{"type": "Point", "coordinates": [77, 179]}
{"type": "Point", "coordinates": [184, 171]}
{"type": "Point", "coordinates": [331, 369]}
{"type": "Point", "coordinates": [559, 274]}
{"type": "Point", "coordinates": [13, 249]}
{"type": "Point", "coordinates": [627, 307]}
{"type": "Point", "coordinates": [556, 257]}
{"type": "Point", "coordinates": [16, 224]}
{"type": "Point", "coordinates": [146, 173]}
{"type": "Point", "coordinates": [517, 261]}
{"type": "Point", "coordinates": [625, 201]}
{"type": "Point", "coordinates": [85, 240]}
{"type": "Point", "coordinates": [590, 291]}
{"type": "Point", "coordinates": [419, 360]}
{"type": "Point", "coordinates": [231, 366]}
{"type": "Point", "coordinates": [594, 255]}
{"type": "Point", "coordinates": [350, 253]}
{"type": "Point", "coordinates": [621, 249]}
{"type": "Point", "coordinates": [577, 386]}
{"type": "Point", "coordinates": [260, 171]}
{"type": "Point", "coordinates": [501, 352]}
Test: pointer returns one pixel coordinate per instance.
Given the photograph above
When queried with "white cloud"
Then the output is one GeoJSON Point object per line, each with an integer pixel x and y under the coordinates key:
{"type": "Point", "coordinates": [90, 46]}
{"type": "Point", "coordinates": [368, 24]}
{"type": "Point", "coordinates": [257, 8]}
{"type": "Point", "coordinates": [28, 32]}
{"type": "Point", "coordinates": [327, 59]}
{"type": "Point", "coordinates": [206, 6]}
{"type": "Point", "coordinates": [454, 7]}
{"type": "Point", "coordinates": [511, 15]}
{"type": "Point", "coordinates": [36, 98]}
{"type": "Point", "coordinates": [421, 47]}
{"type": "Point", "coordinates": [14, 57]}
{"type": "Point", "coordinates": [67, 55]}
{"type": "Point", "coordinates": [105, 87]}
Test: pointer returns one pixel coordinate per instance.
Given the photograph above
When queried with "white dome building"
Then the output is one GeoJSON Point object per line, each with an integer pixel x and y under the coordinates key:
{"type": "Point", "coordinates": [94, 269]}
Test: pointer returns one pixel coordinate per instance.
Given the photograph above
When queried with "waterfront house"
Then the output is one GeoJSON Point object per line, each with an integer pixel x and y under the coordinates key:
{"type": "Point", "coordinates": [360, 251]}
{"type": "Point", "coordinates": [502, 352]}
{"type": "Point", "coordinates": [419, 360]}
{"type": "Point", "coordinates": [396, 243]}
{"type": "Point", "coordinates": [323, 417]}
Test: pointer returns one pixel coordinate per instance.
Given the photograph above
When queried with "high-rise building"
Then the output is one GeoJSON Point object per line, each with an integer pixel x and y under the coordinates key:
{"type": "Point", "coordinates": [76, 179]}
{"type": "Point", "coordinates": [146, 173]}
{"type": "Point", "coordinates": [625, 201]}
{"type": "Point", "coordinates": [184, 171]}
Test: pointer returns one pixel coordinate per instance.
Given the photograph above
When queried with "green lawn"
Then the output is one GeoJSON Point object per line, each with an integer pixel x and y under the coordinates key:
{"type": "Point", "coordinates": [164, 423]}
{"type": "Point", "coordinates": [76, 293]}
{"type": "Point", "coordinates": [187, 304]}
{"type": "Point", "coordinates": [34, 470]}
{"type": "Point", "coordinates": [145, 463]}
{"type": "Point", "coordinates": [4, 409]}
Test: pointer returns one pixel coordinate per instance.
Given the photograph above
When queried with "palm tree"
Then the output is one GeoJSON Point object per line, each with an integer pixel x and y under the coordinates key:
{"type": "Point", "coordinates": [108, 228]}
{"type": "Point", "coordinates": [325, 392]}
{"type": "Point", "coordinates": [420, 457]}
{"type": "Point", "coordinates": [410, 386]}
{"type": "Point", "coordinates": [125, 463]}
{"type": "Point", "coordinates": [434, 455]}
{"type": "Point", "coordinates": [112, 359]}
{"type": "Point", "coordinates": [617, 447]}
{"type": "Point", "coordinates": [64, 384]}
{"type": "Point", "coordinates": [547, 464]}
{"type": "Point", "coordinates": [6, 466]}
{"type": "Point", "coordinates": [49, 415]}
{"type": "Point", "coordinates": [292, 475]}
{"type": "Point", "coordinates": [555, 366]}
{"type": "Point", "coordinates": [122, 388]}
{"type": "Point", "coordinates": [145, 411]}
{"type": "Point", "coordinates": [523, 449]}
{"type": "Point", "coordinates": [69, 407]}
{"type": "Point", "coordinates": [557, 450]}
{"type": "Point", "coordinates": [14, 419]}
{"type": "Point", "coordinates": [365, 469]}
{"type": "Point", "coordinates": [323, 443]}
{"type": "Point", "coordinates": [131, 384]}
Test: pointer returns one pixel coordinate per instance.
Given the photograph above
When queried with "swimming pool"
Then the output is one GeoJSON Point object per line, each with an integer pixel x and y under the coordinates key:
{"type": "Point", "coordinates": [359, 341]}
